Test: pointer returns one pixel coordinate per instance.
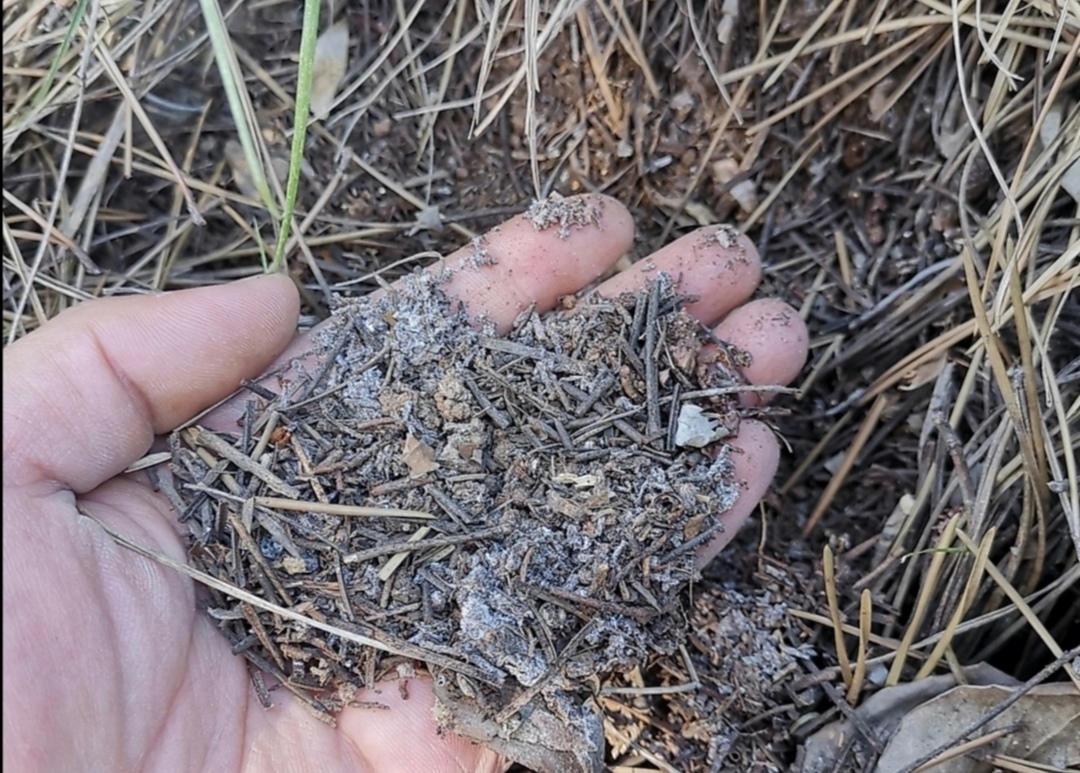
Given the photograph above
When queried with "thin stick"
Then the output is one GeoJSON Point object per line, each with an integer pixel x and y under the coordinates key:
{"type": "Point", "coordinates": [399, 648]}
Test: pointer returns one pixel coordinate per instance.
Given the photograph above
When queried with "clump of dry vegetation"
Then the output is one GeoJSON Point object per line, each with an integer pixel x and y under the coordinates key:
{"type": "Point", "coordinates": [908, 171]}
{"type": "Point", "coordinates": [518, 513]}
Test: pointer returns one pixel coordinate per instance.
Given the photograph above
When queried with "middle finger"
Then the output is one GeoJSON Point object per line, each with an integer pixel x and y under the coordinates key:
{"type": "Point", "coordinates": [717, 265]}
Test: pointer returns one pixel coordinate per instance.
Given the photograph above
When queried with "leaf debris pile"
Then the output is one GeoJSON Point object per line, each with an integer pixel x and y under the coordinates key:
{"type": "Point", "coordinates": [738, 662]}
{"type": "Point", "coordinates": [553, 486]}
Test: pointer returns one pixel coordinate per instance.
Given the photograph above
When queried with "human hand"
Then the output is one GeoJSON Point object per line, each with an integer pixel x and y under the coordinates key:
{"type": "Point", "coordinates": [108, 663]}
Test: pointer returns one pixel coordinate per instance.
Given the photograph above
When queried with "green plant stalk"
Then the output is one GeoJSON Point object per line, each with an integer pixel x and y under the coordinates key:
{"type": "Point", "coordinates": [76, 19]}
{"type": "Point", "coordinates": [308, 38]}
{"type": "Point", "coordinates": [232, 80]}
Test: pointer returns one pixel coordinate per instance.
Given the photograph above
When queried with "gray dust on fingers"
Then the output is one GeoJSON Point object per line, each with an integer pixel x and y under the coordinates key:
{"type": "Point", "coordinates": [553, 249]}
{"type": "Point", "coordinates": [716, 265]}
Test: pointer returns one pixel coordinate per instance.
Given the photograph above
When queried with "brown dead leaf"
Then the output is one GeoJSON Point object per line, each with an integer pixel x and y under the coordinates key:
{"type": "Point", "coordinates": [878, 101]}
{"type": "Point", "coordinates": [243, 179]}
{"type": "Point", "coordinates": [923, 374]}
{"type": "Point", "coordinates": [882, 713]}
{"type": "Point", "coordinates": [418, 456]}
{"type": "Point", "coordinates": [1045, 728]}
{"type": "Point", "coordinates": [328, 68]}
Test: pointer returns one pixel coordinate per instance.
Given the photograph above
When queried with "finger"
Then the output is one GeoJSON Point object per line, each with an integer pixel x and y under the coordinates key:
{"type": "Point", "coordinates": [755, 454]}
{"type": "Point", "coordinates": [378, 734]}
{"type": "Point", "coordinates": [85, 395]}
{"type": "Point", "coordinates": [776, 339]}
{"type": "Point", "coordinates": [717, 265]}
{"type": "Point", "coordinates": [534, 265]}
{"type": "Point", "coordinates": [512, 267]}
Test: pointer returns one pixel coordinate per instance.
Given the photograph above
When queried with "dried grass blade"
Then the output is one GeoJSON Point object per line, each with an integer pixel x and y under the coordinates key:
{"type": "Point", "coordinates": [46, 83]}
{"type": "Point", "coordinates": [344, 511]}
{"type": "Point", "coordinates": [926, 593]}
{"type": "Point", "coordinates": [243, 113]}
{"type": "Point", "coordinates": [1023, 608]}
{"type": "Point", "coordinates": [403, 649]}
{"type": "Point", "coordinates": [971, 590]}
{"type": "Point", "coordinates": [848, 463]}
{"type": "Point", "coordinates": [828, 565]}
{"type": "Point", "coordinates": [396, 560]}
{"type": "Point", "coordinates": [118, 79]}
{"type": "Point", "coordinates": [866, 612]}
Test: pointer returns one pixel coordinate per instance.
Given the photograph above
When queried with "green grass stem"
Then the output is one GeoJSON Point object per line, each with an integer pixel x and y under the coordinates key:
{"type": "Point", "coordinates": [77, 14]}
{"type": "Point", "coordinates": [308, 38]}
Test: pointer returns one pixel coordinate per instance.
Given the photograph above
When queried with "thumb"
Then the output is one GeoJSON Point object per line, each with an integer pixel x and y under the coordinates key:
{"type": "Point", "coordinates": [85, 395]}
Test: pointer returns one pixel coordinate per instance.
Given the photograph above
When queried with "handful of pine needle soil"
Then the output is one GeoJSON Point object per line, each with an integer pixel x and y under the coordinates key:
{"type": "Point", "coordinates": [516, 515]}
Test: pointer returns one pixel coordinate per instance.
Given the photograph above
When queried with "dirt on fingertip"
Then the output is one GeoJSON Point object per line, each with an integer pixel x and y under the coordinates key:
{"type": "Point", "coordinates": [563, 213]}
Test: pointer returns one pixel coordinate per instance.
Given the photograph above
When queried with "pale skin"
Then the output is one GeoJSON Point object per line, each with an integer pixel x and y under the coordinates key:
{"type": "Point", "coordinates": [108, 665]}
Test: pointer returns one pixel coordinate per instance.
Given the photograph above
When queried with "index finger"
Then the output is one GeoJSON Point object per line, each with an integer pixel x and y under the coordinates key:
{"type": "Point", "coordinates": [554, 249]}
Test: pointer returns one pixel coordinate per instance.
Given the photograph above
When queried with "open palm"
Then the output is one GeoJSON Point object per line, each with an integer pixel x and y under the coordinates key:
{"type": "Point", "coordinates": [108, 663]}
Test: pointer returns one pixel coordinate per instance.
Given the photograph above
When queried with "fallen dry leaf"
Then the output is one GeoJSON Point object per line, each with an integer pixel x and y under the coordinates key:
{"type": "Point", "coordinates": [241, 172]}
{"type": "Point", "coordinates": [427, 219]}
{"type": "Point", "coordinates": [745, 192]}
{"type": "Point", "coordinates": [328, 68]}
{"type": "Point", "coordinates": [878, 101]}
{"type": "Point", "coordinates": [696, 428]}
{"type": "Point", "coordinates": [1048, 132]}
{"type": "Point", "coordinates": [418, 456]}
{"type": "Point", "coordinates": [923, 374]}
{"type": "Point", "coordinates": [882, 713]}
{"type": "Point", "coordinates": [542, 740]}
{"type": "Point", "coordinates": [1042, 727]}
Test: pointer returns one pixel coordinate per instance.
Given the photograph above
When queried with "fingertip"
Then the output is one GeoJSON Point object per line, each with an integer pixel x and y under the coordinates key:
{"type": "Point", "coordinates": [755, 456]}
{"type": "Point", "coordinates": [186, 350]}
{"type": "Point", "coordinates": [278, 287]}
{"type": "Point", "coordinates": [717, 265]}
{"type": "Point", "coordinates": [90, 389]}
{"type": "Point", "coordinates": [554, 249]}
{"type": "Point", "coordinates": [726, 270]}
{"type": "Point", "coordinates": [615, 220]}
{"type": "Point", "coordinates": [776, 339]}
{"type": "Point", "coordinates": [272, 299]}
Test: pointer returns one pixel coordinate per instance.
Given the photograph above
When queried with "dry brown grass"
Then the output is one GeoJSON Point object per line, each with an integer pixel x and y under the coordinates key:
{"type": "Point", "coordinates": [888, 162]}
